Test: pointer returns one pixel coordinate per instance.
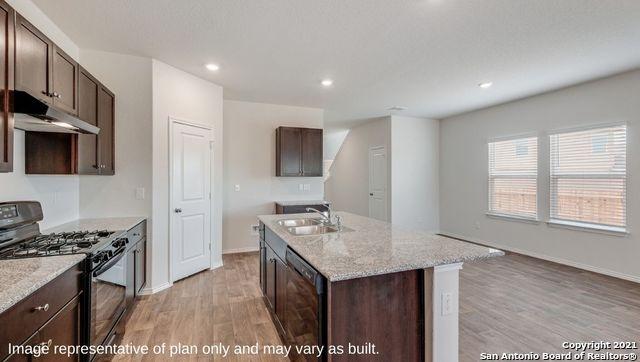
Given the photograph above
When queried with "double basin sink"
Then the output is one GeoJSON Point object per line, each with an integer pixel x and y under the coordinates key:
{"type": "Point", "coordinates": [300, 227]}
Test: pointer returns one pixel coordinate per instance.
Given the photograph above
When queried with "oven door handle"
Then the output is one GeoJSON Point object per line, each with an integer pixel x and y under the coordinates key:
{"type": "Point", "coordinates": [113, 261]}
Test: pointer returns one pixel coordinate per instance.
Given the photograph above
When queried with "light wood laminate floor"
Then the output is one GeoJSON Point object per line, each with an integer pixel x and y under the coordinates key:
{"type": "Point", "coordinates": [508, 304]}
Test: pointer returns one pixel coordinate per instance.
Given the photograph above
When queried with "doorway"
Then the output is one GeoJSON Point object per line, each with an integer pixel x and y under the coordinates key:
{"type": "Point", "coordinates": [378, 183]}
{"type": "Point", "coordinates": [190, 198]}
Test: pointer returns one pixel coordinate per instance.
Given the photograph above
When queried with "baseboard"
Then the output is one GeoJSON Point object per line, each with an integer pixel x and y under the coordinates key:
{"type": "Point", "coordinates": [241, 250]}
{"type": "Point", "coordinates": [159, 288]}
{"type": "Point", "coordinates": [553, 259]}
{"type": "Point", "coordinates": [216, 265]}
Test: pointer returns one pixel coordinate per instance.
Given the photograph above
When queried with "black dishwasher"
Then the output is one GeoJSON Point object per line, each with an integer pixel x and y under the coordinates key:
{"type": "Point", "coordinates": [306, 307]}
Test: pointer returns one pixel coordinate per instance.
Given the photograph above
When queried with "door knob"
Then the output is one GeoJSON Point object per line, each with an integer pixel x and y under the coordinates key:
{"type": "Point", "coordinates": [178, 210]}
{"type": "Point", "coordinates": [370, 193]}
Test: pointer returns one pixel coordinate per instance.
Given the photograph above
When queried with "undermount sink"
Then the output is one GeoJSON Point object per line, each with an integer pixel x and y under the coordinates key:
{"type": "Point", "coordinates": [312, 230]}
{"type": "Point", "coordinates": [298, 222]}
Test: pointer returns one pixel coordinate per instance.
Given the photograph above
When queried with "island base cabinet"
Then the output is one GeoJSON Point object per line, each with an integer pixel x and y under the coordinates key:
{"type": "Point", "coordinates": [383, 310]}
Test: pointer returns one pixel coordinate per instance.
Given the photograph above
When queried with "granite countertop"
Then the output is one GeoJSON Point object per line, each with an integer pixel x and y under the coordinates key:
{"type": "Point", "coordinates": [21, 277]}
{"type": "Point", "coordinates": [374, 247]}
{"type": "Point", "coordinates": [303, 202]}
{"type": "Point", "coordinates": [108, 223]}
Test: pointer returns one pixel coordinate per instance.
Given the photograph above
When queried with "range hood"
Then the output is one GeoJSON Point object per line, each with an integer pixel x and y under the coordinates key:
{"type": "Point", "coordinates": [32, 114]}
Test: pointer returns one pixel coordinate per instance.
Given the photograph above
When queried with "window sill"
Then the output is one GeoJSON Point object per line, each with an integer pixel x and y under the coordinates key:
{"type": "Point", "coordinates": [528, 220]}
{"type": "Point", "coordinates": [583, 226]}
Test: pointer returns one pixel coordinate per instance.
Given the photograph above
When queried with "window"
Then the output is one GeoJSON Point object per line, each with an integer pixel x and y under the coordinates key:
{"type": "Point", "coordinates": [589, 177]}
{"type": "Point", "coordinates": [513, 177]}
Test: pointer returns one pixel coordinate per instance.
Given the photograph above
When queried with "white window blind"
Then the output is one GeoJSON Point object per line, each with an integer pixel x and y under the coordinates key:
{"type": "Point", "coordinates": [513, 177]}
{"type": "Point", "coordinates": [589, 176]}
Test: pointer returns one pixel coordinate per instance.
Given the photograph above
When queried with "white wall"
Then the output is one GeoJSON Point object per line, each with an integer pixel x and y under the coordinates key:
{"type": "Point", "coordinates": [348, 186]}
{"type": "Point", "coordinates": [59, 195]}
{"type": "Point", "coordinates": [250, 161]}
{"type": "Point", "coordinates": [414, 173]}
{"type": "Point", "coordinates": [129, 77]}
{"type": "Point", "coordinates": [463, 174]}
{"type": "Point", "coordinates": [182, 96]}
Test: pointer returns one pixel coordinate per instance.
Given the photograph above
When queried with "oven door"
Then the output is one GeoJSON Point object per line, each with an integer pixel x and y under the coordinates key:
{"type": "Point", "coordinates": [108, 285]}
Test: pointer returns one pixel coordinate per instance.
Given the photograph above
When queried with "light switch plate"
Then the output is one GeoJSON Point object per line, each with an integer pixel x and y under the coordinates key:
{"type": "Point", "coordinates": [255, 229]}
{"type": "Point", "coordinates": [236, 188]}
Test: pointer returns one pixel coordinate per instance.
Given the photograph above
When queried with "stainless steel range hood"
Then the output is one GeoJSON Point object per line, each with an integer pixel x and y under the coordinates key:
{"type": "Point", "coordinates": [32, 114]}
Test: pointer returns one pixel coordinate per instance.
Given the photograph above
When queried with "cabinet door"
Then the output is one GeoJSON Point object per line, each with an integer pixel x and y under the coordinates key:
{"type": "Point", "coordinates": [32, 341]}
{"type": "Point", "coordinates": [281, 290]}
{"type": "Point", "coordinates": [6, 83]}
{"type": "Point", "coordinates": [88, 88]}
{"type": "Point", "coordinates": [65, 81]}
{"type": "Point", "coordinates": [288, 151]}
{"type": "Point", "coordinates": [33, 60]}
{"type": "Point", "coordinates": [263, 267]}
{"type": "Point", "coordinates": [270, 278]}
{"type": "Point", "coordinates": [62, 330]}
{"type": "Point", "coordinates": [130, 275]}
{"type": "Point", "coordinates": [106, 137]}
{"type": "Point", "coordinates": [311, 152]}
{"type": "Point", "coordinates": [141, 264]}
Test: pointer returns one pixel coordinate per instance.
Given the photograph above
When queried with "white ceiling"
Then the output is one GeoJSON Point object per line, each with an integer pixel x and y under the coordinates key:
{"type": "Point", "coordinates": [426, 55]}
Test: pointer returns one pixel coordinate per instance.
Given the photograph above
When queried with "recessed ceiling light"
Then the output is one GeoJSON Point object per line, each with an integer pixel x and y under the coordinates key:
{"type": "Point", "coordinates": [212, 67]}
{"type": "Point", "coordinates": [485, 85]}
{"type": "Point", "coordinates": [327, 82]}
{"type": "Point", "coordinates": [397, 108]}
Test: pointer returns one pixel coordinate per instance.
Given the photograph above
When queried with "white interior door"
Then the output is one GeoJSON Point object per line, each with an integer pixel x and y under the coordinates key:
{"type": "Point", "coordinates": [191, 202]}
{"type": "Point", "coordinates": [378, 183]}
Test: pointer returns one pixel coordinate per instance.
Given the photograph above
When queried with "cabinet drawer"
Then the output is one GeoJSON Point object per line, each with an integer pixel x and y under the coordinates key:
{"type": "Point", "coordinates": [137, 233]}
{"type": "Point", "coordinates": [24, 318]}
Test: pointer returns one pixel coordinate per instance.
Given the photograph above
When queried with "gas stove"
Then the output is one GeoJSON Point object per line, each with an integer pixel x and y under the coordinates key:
{"type": "Point", "coordinates": [74, 242]}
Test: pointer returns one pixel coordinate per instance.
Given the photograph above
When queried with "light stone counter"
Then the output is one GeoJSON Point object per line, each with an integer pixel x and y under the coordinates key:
{"type": "Point", "coordinates": [374, 248]}
{"type": "Point", "coordinates": [302, 202]}
{"type": "Point", "coordinates": [21, 277]}
{"type": "Point", "coordinates": [108, 223]}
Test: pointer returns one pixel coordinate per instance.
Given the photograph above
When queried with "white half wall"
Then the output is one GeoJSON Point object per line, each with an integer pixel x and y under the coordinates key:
{"type": "Point", "coordinates": [250, 162]}
{"type": "Point", "coordinates": [348, 186]}
{"type": "Point", "coordinates": [463, 174]}
{"type": "Point", "coordinates": [182, 96]}
{"type": "Point", "coordinates": [414, 173]}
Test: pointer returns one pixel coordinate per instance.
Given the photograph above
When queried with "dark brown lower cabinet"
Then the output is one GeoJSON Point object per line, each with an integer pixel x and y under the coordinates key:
{"type": "Point", "coordinates": [270, 277]}
{"type": "Point", "coordinates": [50, 316]}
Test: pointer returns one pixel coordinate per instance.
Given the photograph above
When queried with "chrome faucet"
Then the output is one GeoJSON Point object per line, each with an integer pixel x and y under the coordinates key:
{"type": "Point", "coordinates": [326, 216]}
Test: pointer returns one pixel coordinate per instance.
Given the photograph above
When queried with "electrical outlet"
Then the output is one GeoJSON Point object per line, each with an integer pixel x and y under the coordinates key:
{"type": "Point", "coordinates": [447, 303]}
{"type": "Point", "coordinates": [139, 193]}
{"type": "Point", "coordinates": [255, 229]}
{"type": "Point", "coordinates": [236, 188]}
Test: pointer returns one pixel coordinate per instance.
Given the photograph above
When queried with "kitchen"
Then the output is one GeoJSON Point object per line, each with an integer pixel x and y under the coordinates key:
{"type": "Point", "coordinates": [226, 183]}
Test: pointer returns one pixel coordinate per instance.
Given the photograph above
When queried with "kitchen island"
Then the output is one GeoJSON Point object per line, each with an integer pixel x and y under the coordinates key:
{"type": "Point", "coordinates": [371, 284]}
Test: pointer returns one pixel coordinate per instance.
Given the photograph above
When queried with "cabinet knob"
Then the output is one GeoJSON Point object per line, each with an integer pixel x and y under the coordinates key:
{"type": "Point", "coordinates": [57, 95]}
{"type": "Point", "coordinates": [42, 307]}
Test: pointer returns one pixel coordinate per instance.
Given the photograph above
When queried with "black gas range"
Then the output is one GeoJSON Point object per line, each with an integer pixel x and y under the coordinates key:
{"type": "Point", "coordinates": [104, 279]}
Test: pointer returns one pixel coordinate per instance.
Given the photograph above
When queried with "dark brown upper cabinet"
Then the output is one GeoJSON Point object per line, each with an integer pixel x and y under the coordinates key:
{"type": "Point", "coordinates": [88, 89]}
{"type": "Point", "coordinates": [298, 152]}
{"type": "Point", "coordinates": [44, 70]}
{"type": "Point", "coordinates": [34, 53]}
{"type": "Point", "coordinates": [106, 138]}
{"type": "Point", "coordinates": [6, 84]}
{"type": "Point", "coordinates": [65, 81]}
{"type": "Point", "coordinates": [96, 153]}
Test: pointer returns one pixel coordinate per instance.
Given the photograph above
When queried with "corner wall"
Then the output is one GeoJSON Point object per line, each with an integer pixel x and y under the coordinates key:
{"type": "Point", "coordinates": [180, 95]}
{"type": "Point", "coordinates": [249, 161]}
{"type": "Point", "coordinates": [414, 173]}
{"type": "Point", "coordinates": [463, 174]}
{"type": "Point", "coordinates": [348, 186]}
